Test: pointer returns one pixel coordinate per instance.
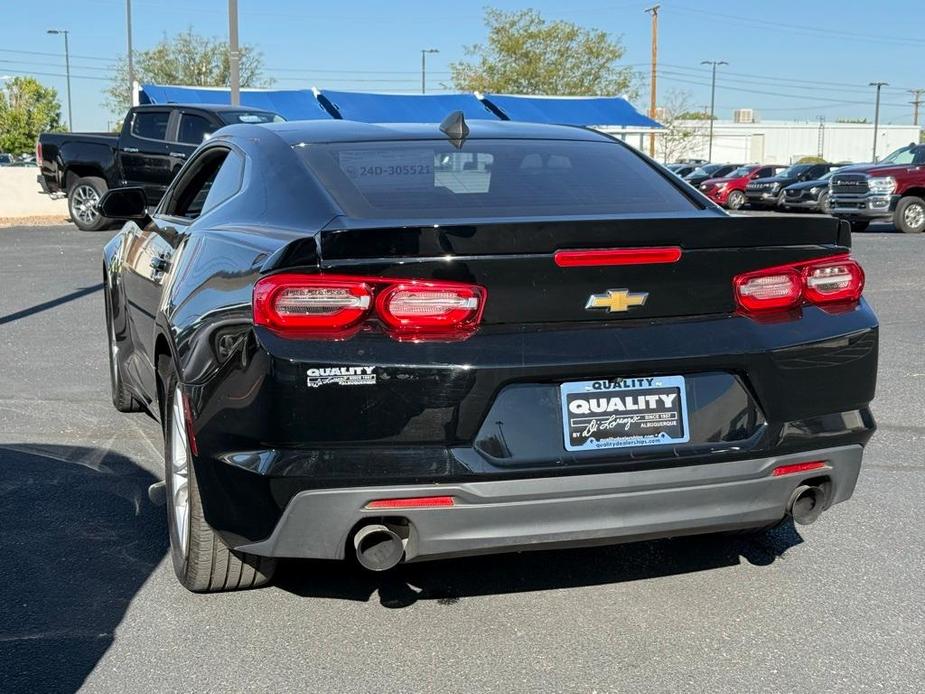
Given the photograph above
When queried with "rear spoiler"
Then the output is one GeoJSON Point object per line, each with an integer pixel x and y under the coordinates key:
{"type": "Point", "coordinates": [353, 240]}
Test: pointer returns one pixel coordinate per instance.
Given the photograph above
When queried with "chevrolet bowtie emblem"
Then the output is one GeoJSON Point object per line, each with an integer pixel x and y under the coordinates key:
{"type": "Point", "coordinates": [616, 300]}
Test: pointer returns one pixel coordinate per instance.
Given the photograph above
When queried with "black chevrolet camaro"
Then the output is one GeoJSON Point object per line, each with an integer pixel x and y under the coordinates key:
{"type": "Point", "coordinates": [406, 342]}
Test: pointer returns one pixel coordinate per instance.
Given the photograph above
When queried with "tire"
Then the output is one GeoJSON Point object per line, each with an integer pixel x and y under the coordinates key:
{"type": "Point", "coordinates": [824, 203]}
{"type": "Point", "coordinates": [859, 226]}
{"type": "Point", "coordinates": [122, 398]}
{"type": "Point", "coordinates": [82, 197]}
{"type": "Point", "coordinates": [736, 200]}
{"type": "Point", "coordinates": [202, 561]}
{"type": "Point", "coordinates": [909, 216]}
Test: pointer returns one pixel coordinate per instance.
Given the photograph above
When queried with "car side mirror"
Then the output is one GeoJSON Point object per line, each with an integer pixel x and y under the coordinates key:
{"type": "Point", "coordinates": [124, 203]}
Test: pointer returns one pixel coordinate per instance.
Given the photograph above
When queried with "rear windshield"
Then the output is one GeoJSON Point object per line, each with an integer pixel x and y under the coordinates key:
{"type": "Point", "coordinates": [509, 178]}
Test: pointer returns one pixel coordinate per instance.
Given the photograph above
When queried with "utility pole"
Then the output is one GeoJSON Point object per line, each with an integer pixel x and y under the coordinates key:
{"type": "Point", "coordinates": [234, 55]}
{"type": "Point", "coordinates": [714, 63]}
{"type": "Point", "coordinates": [652, 92]}
{"type": "Point", "coordinates": [424, 52]}
{"type": "Point", "coordinates": [879, 86]}
{"type": "Point", "coordinates": [821, 136]}
{"type": "Point", "coordinates": [67, 69]}
{"type": "Point", "coordinates": [131, 62]}
{"type": "Point", "coordinates": [916, 102]}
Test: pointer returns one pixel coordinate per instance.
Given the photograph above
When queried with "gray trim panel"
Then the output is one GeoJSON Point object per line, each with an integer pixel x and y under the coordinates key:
{"type": "Point", "coordinates": [540, 513]}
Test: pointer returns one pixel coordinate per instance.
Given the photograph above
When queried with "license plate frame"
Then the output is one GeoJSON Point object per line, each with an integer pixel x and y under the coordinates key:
{"type": "Point", "coordinates": [641, 412]}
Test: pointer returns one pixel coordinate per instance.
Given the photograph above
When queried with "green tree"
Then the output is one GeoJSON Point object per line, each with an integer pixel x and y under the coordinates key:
{"type": "Point", "coordinates": [187, 59]}
{"type": "Point", "coordinates": [27, 108]}
{"type": "Point", "coordinates": [525, 54]}
{"type": "Point", "coordinates": [696, 115]}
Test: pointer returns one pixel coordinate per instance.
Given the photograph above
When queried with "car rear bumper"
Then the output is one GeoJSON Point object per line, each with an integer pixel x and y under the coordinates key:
{"type": "Point", "coordinates": [541, 513]}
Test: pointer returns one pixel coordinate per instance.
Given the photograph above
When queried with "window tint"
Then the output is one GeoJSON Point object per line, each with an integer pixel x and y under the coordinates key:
{"type": "Point", "coordinates": [151, 124]}
{"type": "Point", "coordinates": [504, 178]}
{"type": "Point", "coordinates": [193, 129]}
{"type": "Point", "coordinates": [216, 178]}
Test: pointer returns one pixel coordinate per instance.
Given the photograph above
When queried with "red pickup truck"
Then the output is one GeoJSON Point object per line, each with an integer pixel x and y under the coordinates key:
{"type": "Point", "coordinates": [729, 191]}
{"type": "Point", "coordinates": [892, 189]}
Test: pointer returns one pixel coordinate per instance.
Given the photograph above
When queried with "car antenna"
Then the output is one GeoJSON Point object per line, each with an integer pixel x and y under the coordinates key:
{"type": "Point", "coordinates": [454, 127]}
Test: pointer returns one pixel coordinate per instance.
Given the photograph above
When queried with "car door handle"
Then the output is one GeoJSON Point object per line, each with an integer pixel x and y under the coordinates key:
{"type": "Point", "coordinates": [159, 264]}
{"type": "Point", "coordinates": [131, 150]}
{"type": "Point", "coordinates": [178, 155]}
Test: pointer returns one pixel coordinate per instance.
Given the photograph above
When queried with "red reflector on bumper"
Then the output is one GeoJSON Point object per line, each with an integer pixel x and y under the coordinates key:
{"type": "Point", "coordinates": [618, 256]}
{"type": "Point", "coordinates": [412, 502]}
{"type": "Point", "coordinates": [798, 467]}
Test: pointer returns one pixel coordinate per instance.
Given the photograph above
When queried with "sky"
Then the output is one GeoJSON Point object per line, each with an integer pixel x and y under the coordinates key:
{"type": "Point", "coordinates": [786, 65]}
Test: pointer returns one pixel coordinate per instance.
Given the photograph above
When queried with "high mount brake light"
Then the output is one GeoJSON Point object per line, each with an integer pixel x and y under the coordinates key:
{"type": "Point", "coordinates": [838, 279]}
{"type": "Point", "coordinates": [333, 305]}
{"type": "Point", "coordinates": [618, 256]}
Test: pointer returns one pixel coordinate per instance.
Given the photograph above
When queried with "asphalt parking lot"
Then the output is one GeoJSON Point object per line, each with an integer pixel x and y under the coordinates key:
{"type": "Point", "coordinates": [87, 596]}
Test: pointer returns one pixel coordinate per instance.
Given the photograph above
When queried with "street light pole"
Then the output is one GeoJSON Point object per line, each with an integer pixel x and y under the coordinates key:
{"type": "Point", "coordinates": [879, 86]}
{"type": "Point", "coordinates": [424, 52]}
{"type": "Point", "coordinates": [67, 70]}
{"type": "Point", "coordinates": [652, 92]}
{"type": "Point", "coordinates": [131, 64]}
{"type": "Point", "coordinates": [234, 56]}
{"type": "Point", "coordinates": [714, 63]}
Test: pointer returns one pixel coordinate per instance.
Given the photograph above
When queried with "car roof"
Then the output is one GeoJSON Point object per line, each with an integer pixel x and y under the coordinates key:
{"type": "Point", "coordinates": [323, 131]}
{"type": "Point", "coordinates": [205, 107]}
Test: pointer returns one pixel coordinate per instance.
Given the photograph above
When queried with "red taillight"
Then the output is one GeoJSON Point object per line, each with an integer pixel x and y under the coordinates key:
{"type": "Point", "coordinates": [798, 467]}
{"type": "Point", "coordinates": [421, 307]}
{"type": "Point", "coordinates": [618, 256]}
{"type": "Point", "coordinates": [303, 302]}
{"type": "Point", "coordinates": [413, 502]}
{"type": "Point", "coordinates": [38, 153]}
{"type": "Point", "coordinates": [826, 281]}
{"type": "Point", "coordinates": [331, 305]}
{"type": "Point", "coordinates": [763, 291]}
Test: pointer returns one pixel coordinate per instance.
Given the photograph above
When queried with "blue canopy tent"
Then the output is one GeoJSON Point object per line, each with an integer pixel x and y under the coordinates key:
{"type": "Point", "coordinates": [568, 110]}
{"type": "Point", "coordinates": [291, 104]}
{"type": "Point", "coordinates": [402, 108]}
{"type": "Point", "coordinates": [314, 104]}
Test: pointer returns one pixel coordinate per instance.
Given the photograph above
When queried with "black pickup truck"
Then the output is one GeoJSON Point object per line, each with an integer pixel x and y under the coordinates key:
{"type": "Point", "coordinates": [154, 142]}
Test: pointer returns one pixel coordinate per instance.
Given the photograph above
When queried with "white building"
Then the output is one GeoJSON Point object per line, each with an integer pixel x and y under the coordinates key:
{"type": "Point", "coordinates": [780, 142]}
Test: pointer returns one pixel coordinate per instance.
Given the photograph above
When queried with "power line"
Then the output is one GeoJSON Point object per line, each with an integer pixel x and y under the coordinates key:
{"type": "Point", "coordinates": [899, 40]}
{"type": "Point", "coordinates": [57, 65]}
{"type": "Point", "coordinates": [31, 73]}
{"type": "Point", "coordinates": [56, 55]}
{"type": "Point", "coordinates": [785, 95]}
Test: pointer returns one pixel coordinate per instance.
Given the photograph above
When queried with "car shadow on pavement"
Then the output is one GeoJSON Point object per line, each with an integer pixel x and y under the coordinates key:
{"type": "Point", "coordinates": [79, 538]}
{"type": "Point", "coordinates": [449, 580]}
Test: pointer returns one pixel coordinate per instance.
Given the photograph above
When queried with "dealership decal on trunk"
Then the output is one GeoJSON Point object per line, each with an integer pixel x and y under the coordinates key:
{"type": "Point", "coordinates": [618, 413]}
{"type": "Point", "coordinates": [342, 376]}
